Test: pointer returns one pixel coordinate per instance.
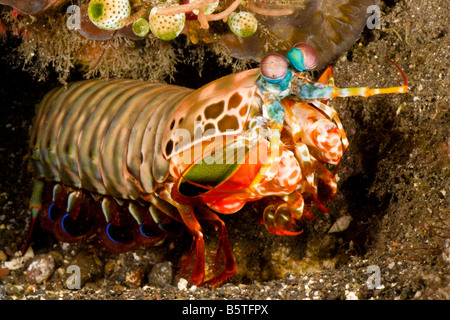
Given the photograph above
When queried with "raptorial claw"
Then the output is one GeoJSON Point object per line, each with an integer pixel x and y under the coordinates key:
{"type": "Point", "coordinates": [223, 249]}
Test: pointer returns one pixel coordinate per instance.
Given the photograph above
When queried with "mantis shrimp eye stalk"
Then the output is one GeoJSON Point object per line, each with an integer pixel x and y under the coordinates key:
{"type": "Point", "coordinates": [302, 57]}
{"type": "Point", "coordinates": [242, 24]}
{"type": "Point", "coordinates": [274, 68]}
{"type": "Point", "coordinates": [107, 14]}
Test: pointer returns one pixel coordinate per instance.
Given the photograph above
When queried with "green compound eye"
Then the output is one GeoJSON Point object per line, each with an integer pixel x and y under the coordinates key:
{"type": "Point", "coordinates": [302, 57]}
{"type": "Point", "coordinates": [166, 27]}
{"type": "Point", "coordinates": [141, 27]}
{"type": "Point", "coordinates": [242, 24]}
{"type": "Point", "coordinates": [273, 68]}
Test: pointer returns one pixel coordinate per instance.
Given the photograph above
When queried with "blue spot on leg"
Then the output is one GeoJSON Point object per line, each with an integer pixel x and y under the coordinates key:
{"type": "Point", "coordinates": [50, 212]}
{"type": "Point", "coordinates": [62, 223]}
{"type": "Point", "coordinates": [109, 235]}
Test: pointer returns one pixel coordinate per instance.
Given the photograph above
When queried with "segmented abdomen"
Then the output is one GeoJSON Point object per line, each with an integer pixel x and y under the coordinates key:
{"type": "Point", "coordinates": [104, 135]}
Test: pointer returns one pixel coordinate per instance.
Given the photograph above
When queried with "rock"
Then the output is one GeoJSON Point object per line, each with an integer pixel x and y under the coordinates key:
{"type": "Point", "coordinates": [20, 261]}
{"type": "Point", "coordinates": [40, 269]}
{"type": "Point", "coordinates": [161, 274]}
{"type": "Point", "coordinates": [182, 284]}
{"type": "Point", "coordinates": [13, 290]}
{"type": "Point", "coordinates": [109, 268]}
{"type": "Point", "coordinates": [134, 278]}
{"type": "Point", "coordinates": [4, 272]}
{"type": "Point", "coordinates": [88, 266]}
{"type": "Point", "coordinates": [3, 256]}
{"type": "Point", "coordinates": [57, 257]}
{"type": "Point", "coordinates": [350, 295]}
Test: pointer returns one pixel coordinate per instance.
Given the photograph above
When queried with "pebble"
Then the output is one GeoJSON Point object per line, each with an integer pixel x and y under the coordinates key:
{"type": "Point", "coordinates": [13, 290]}
{"type": "Point", "coordinates": [134, 278]}
{"type": "Point", "coordinates": [90, 267]}
{"type": "Point", "coordinates": [2, 292]}
{"type": "Point", "coordinates": [161, 274]}
{"type": "Point", "coordinates": [110, 267]}
{"type": "Point", "coordinates": [182, 284]}
{"type": "Point", "coordinates": [19, 262]}
{"type": "Point", "coordinates": [3, 256]}
{"type": "Point", "coordinates": [4, 272]}
{"type": "Point", "coordinates": [40, 269]}
{"type": "Point", "coordinates": [350, 295]}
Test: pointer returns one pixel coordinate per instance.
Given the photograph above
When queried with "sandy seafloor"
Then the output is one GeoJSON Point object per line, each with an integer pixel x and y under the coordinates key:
{"type": "Point", "coordinates": [393, 182]}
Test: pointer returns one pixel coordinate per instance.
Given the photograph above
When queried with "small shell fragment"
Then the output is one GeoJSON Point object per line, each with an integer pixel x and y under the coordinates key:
{"type": "Point", "coordinates": [341, 224]}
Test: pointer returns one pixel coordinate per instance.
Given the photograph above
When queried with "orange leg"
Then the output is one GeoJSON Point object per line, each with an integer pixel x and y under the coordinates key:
{"type": "Point", "coordinates": [198, 245]}
{"type": "Point", "coordinates": [327, 77]}
{"type": "Point", "coordinates": [189, 219]}
{"type": "Point", "coordinates": [224, 247]}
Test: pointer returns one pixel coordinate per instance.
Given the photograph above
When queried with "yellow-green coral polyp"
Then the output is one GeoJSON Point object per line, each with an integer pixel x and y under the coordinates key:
{"type": "Point", "coordinates": [109, 14]}
{"type": "Point", "coordinates": [242, 24]}
{"type": "Point", "coordinates": [96, 10]}
{"type": "Point", "coordinates": [141, 27]}
{"type": "Point", "coordinates": [166, 27]}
